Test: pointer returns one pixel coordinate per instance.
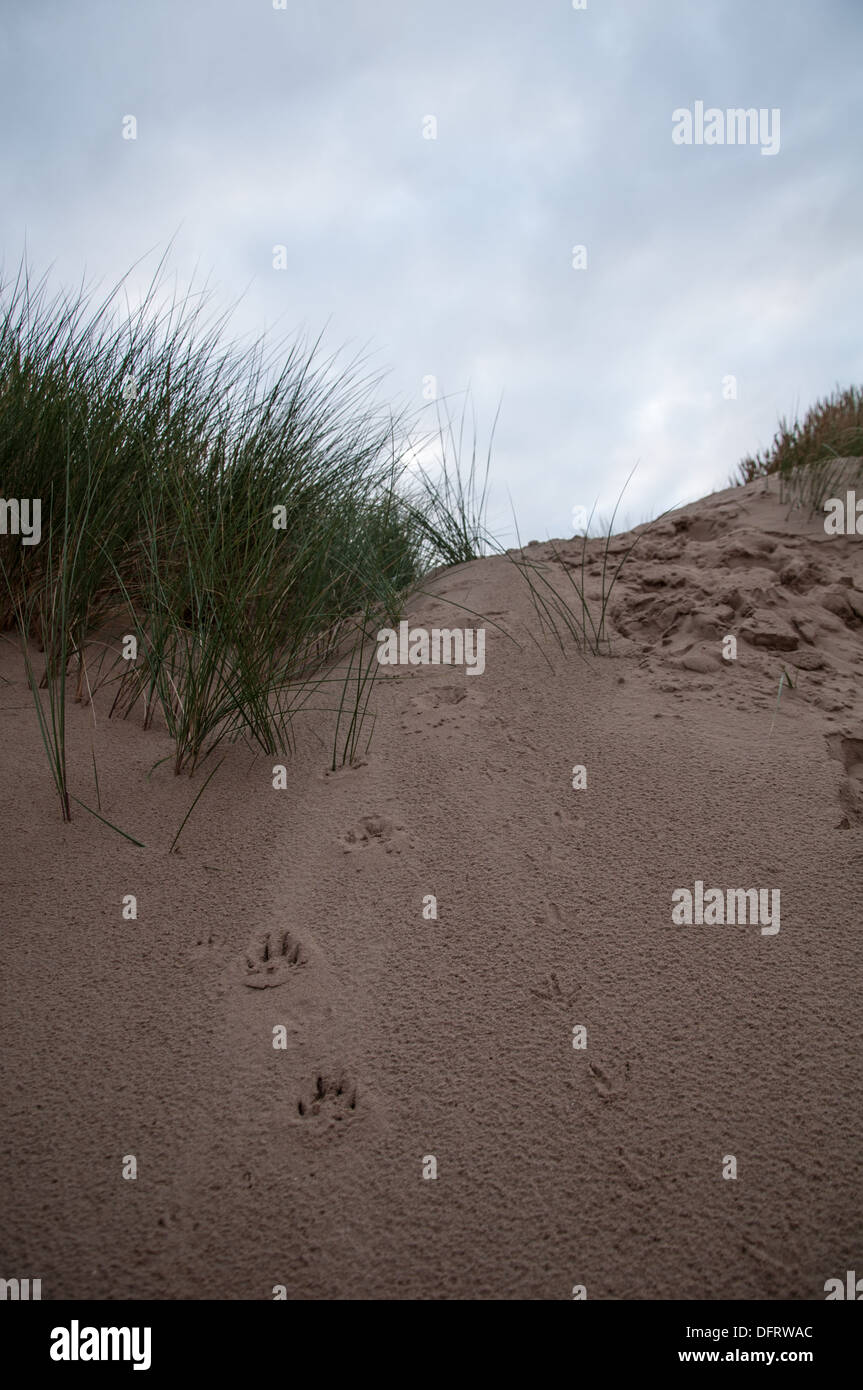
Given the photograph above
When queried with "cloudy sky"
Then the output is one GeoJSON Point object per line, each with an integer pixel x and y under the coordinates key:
{"type": "Point", "coordinates": [719, 286]}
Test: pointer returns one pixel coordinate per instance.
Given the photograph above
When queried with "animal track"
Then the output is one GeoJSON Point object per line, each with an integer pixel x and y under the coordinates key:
{"type": "Point", "coordinates": [174, 1224]}
{"type": "Point", "coordinates": [634, 1177]}
{"type": "Point", "coordinates": [375, 830]}
{"type": "Point", "coordinates": [442, 704]}
{"type": "Point", "coordinates": [548, 913]}
{"type": "Point", "coordinates": [272, 961]}
{"type": "Point", "coordinates": [443, 695]}
{"type": "Point", "coordinates": [332, 1100]}
{"type": "Point", "coordinates": [551, 993]}
{"type": "Point", "coordinates": [606, 1088]}
{"type": "Point", "coordinates": [205, 945]}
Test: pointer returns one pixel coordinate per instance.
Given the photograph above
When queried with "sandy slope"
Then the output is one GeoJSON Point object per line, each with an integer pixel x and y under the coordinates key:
{"type": "Point", "coordinates": [453, 1037]}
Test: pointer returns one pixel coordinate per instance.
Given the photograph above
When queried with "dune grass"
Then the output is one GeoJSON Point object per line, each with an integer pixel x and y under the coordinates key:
{"type": "Point", "coordinates": [810, 485]}
{"type": "Point", "coordinates": [571, 615]}
{"type": "Point", "coordinates": [242, 513]}
{"type": "Point", "coordinates": [811, 456]}
{"type": "Point", "coordinates": [449, 505]}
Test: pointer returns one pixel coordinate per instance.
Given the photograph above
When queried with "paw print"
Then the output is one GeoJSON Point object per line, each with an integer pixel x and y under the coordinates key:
{"type": "Point", "coordinates": [272, 961]}
{"type": "Point", "coordinates": [333, 1099]}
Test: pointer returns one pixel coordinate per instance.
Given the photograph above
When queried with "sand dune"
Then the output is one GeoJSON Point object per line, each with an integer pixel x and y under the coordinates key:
{"type": "Point", "coordinates": [408, 1038]}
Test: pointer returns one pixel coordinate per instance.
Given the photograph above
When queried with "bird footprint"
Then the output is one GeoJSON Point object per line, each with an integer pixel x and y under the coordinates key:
{"type": "Point", "coordinates": [551, 993]}
{"type": "Point", "coordinates": [606, 1088]}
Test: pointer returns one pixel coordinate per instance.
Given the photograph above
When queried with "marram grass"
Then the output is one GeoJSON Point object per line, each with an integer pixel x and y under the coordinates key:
{"type": "Point", "coordinates": [163, 458]}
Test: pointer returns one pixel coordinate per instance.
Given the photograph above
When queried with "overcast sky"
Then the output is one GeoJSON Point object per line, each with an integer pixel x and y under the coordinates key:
{"type": "Point", "coordinates": [305, 127]}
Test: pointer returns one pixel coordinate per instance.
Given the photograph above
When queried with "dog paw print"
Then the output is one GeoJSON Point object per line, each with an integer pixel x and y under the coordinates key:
{"type": "Point", "coordinates": [272, 961]}
{"type": "Point", "coordinates": [375, 832]}
{"type": "Point", "coordinates": [334, 1099]}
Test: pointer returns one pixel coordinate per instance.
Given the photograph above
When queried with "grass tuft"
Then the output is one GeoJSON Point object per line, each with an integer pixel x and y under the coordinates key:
{"type": "Point", "coordinates": [246, 514]}
{"type": "Point", "coordinates": [812, 455]}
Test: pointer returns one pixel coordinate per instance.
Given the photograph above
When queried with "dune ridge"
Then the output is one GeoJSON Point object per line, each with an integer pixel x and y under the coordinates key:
{"type": "Point", "coordinates": [407, 1037]}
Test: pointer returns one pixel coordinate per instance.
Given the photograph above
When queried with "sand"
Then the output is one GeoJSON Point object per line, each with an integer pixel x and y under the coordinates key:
{"type": "Point", "coordinates": [408, 1038]}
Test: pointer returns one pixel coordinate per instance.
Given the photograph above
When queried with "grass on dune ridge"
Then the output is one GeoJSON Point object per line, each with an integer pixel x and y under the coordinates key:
{"type": "Point", "coordinates": [814, 456]}
{"type": "Point", "coordinates": [162, 457]}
